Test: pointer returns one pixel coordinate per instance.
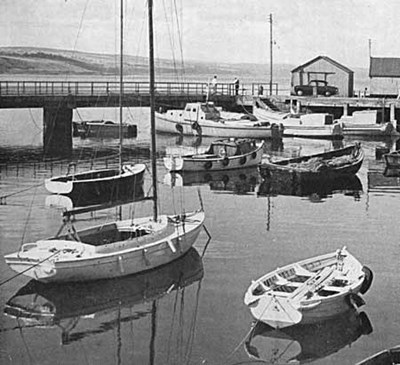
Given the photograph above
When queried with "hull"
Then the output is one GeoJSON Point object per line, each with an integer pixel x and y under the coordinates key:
{"type": "Point", "coordinates": [229, 129]}
{"type": "Point", "coordinates": [345, 161]}
{"type": "Point", "coordinates": [308, 291]}
{"type": "Point", "coordinates": [304, 126]}
{"type": "Point", "coordinates": [324, 132]}
{"type": "Point", "coordinates": [208, 162]}
{"type": "Point", "coordinates": [369, 130]}
{"type": "Point", "coordinates": [107, 184]}
{"type": "Point", "coordinates": [392, 160]}
{"type": "Point", "coordinates": [101, 130]}
{"type": "Point", "coordinates": [82, 262]}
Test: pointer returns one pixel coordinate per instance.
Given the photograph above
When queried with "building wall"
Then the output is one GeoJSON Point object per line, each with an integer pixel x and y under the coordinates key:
{"type": "Point", "coordinates": [384, 86]}
{"type": "Point", "coordinates": [323, 70]}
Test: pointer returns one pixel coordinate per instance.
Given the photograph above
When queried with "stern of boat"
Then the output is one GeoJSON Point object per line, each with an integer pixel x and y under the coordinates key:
{"type": "Point", "coordinates": [58, 187]}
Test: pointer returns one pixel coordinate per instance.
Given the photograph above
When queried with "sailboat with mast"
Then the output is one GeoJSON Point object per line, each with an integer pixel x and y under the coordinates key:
{"type": "Point", "coordinates": [105, 184]}
{"type": "Point", "coordinates": [116, 248]}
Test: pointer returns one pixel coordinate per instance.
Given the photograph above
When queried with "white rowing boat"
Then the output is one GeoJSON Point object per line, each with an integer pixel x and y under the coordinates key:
{"type": "Point", "coordinates": [309, 290]}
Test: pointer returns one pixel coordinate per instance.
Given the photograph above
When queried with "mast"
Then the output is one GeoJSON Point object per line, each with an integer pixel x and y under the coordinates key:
{"type": "Point", "coordinates": [121, 79]}
{"type": "Point", "coordinates": [270, 49]}
{"type": "Point", "coordinates": [152, 110]}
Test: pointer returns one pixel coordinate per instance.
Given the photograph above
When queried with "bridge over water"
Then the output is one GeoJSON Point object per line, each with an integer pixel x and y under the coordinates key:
{"type": "Point", "coordinates": [59, 98]}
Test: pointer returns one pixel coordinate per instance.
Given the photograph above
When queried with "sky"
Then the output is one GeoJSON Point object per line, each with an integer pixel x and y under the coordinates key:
{"type": "Point", "coordinates": [220, 31]}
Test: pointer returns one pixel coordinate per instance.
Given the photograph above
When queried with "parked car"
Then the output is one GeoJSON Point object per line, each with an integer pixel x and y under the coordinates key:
{"type": "Point", "coordinates": [322, 88]}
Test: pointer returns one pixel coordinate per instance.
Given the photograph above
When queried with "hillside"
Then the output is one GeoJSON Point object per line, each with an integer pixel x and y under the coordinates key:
{"type": "Point", "coordinates": [30, 62]}
{"type": "Point", "coordinates": [43, 61]}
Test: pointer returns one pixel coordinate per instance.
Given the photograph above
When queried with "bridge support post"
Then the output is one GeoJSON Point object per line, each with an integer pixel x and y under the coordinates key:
{"type": "Point", "coordinates": [346, 110]}
{"type": "Point", "coordinates": [57, 131]}
{"type": "Point", "coordinates": [298, 106]}
{"type": "Point", "coordinates": [393, 115]}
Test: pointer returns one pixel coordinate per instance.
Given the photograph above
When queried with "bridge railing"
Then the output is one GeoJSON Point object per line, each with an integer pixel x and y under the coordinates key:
{"type": "Point", "coordinates": [98, 88]}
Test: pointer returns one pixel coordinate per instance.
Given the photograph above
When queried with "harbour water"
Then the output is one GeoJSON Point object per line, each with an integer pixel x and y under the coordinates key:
{"type": "Point", "coordinates": [192, 311]}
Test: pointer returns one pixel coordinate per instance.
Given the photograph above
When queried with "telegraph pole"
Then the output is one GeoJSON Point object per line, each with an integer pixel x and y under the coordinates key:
{"type": "Point", "coordinates": [270, 49]}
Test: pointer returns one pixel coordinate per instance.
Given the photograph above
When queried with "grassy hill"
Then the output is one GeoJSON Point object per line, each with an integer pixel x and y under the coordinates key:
{"type": "Point", "coordinates": [45, 61]}
{"type": "Point", "coordinates": [31, 62]}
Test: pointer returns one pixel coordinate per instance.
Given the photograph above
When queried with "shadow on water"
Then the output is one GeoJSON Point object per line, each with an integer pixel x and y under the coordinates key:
{"type": "Point", "coordinates": [306, 343]}
{"type": "Point", "coordinates": [63, 306]}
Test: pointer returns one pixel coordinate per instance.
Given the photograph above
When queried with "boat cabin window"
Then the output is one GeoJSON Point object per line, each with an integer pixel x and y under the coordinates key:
{"type": "Point", "coordinates": [328, 119]}
{"type": "Point", "coordinates": [188, 109]}
{"type": "Point", "coordinates": [194, 110]}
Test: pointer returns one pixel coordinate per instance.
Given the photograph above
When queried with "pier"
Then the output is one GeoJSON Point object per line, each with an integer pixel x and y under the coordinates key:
{"type": "Point", "coordinates": [59, 98]}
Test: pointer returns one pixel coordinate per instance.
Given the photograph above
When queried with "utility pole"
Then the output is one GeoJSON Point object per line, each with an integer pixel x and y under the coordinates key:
{"type": "Point", "coordinates": [270, 49]}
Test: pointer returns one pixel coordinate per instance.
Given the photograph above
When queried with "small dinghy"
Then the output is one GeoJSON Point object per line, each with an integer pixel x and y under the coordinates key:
{"type": "Point", "coordinates": [309, 290]}
{"type": "Point", "coordinates": [222, 154]}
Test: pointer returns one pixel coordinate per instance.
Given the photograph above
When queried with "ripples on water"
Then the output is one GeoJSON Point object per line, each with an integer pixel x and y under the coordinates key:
{"type": "Point", "coordinates": [192, 312]}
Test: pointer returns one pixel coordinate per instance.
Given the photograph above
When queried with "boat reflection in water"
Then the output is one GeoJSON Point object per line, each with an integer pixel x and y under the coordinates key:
{"type": "Point", "coordinates": [239, 181]}
{"type": "Point", "coordinates": [302, 344]}
{"type": "Point", "coordinates": [316, 189]}
{"type": "Point", "coordinates": [63, 305]}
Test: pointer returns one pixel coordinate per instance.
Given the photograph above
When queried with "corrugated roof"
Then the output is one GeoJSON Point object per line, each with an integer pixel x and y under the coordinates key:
{"type": "Point", "coordinates": [384, 67]}
{"type": "Point", "coordinates": [326, 58]}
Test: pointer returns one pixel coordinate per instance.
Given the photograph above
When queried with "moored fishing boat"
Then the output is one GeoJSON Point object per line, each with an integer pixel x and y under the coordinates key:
{"type": "Point", "coordinates": [221, 155]}
{"type": "Point", "coordinates": [343, 161]}
{"type": "Point", "coordinates": [204, 119]}
{"type": "Point", "coordinates": [103, 129]}
{"type": "Point", "coordinates": [309, 290]}
{"type": "Point", "coordinates": [365, 123]}
{"type": "Point", "coordinates": [314, 125]}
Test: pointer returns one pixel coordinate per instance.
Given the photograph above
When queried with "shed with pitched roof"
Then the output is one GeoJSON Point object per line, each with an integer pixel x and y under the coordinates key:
{"type": "Point", "coordinates": [326, 69]}
{"type": "Point", "coordinates": [384, 73]}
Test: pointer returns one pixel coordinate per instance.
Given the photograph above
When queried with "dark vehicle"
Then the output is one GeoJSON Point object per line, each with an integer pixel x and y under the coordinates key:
{"type": "Point", "coordinates": [322, 88]}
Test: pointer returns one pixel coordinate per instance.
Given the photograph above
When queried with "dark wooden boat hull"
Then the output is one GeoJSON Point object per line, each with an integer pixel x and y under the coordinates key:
{"type": "Point", "coordinates": [291, 169]}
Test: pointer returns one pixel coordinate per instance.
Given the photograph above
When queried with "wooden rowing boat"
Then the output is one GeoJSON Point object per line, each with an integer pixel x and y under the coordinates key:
{"type": "Point", "coordinates": [308, 291]}
{"type": "Point", "coordinates": [344, 161]}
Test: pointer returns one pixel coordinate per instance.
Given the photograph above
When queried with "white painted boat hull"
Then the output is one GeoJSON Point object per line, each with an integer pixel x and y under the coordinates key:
{"type": "Point", "coordinates": [77, 264]}
{"type": "Point", "coordinates": [229, 129]}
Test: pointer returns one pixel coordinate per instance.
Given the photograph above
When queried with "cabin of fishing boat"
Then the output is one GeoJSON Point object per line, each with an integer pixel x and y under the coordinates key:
{"type": "Point", "coordinates": [229, 148]}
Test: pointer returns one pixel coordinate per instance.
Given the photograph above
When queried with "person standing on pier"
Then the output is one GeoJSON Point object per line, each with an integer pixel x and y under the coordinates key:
{"type": "Point", "coordinates": [214, 84]}
{"type": "Point", "coordinates": [236, 85]}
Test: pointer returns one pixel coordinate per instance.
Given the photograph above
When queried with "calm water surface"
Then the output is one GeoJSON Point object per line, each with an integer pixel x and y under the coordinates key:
{"type": "Point", "coordinates": [192, 311]}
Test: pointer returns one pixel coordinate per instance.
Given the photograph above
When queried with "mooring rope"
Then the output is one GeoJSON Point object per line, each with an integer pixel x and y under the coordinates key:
{"type": "Point", "coordinates": [29, 268]}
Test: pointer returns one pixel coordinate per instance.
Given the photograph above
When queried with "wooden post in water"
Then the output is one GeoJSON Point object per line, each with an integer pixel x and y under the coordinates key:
{"type": "Point", "coordinates": [57, 131]}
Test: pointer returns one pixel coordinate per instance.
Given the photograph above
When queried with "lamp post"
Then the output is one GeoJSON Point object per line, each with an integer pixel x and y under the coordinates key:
{"type": "Point", "coordinates": [270, 49]}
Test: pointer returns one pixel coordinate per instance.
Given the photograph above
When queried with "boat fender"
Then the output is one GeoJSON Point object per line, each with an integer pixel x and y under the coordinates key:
{"type": "Point", "coordinates": [171, 246]}
{"type": "Point", "coordinates": [366, 325]}
{"type": "Point", "coordinates": [196, 127]}
{"type": "Point", "coordinates": [225, 161]}
{"type": "Point", "coordinates": [354, 300]}
{"type": "Point", "coordinates": [208, 165]}
{"type": "Point", "coordinates": [179, 128]}
{"type": "Point", "coordinates": [242, 161]}
{"type": "Point", "coordinates": [121, 264]}
{"type": "Point", "coordinates": [367, 280]}
{"type": "Point", "coordinates": [254, 155]}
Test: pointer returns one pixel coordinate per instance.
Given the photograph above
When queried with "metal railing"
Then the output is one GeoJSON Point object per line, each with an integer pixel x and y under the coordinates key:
{"type": "Point", "coordinates": [96, 88]}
